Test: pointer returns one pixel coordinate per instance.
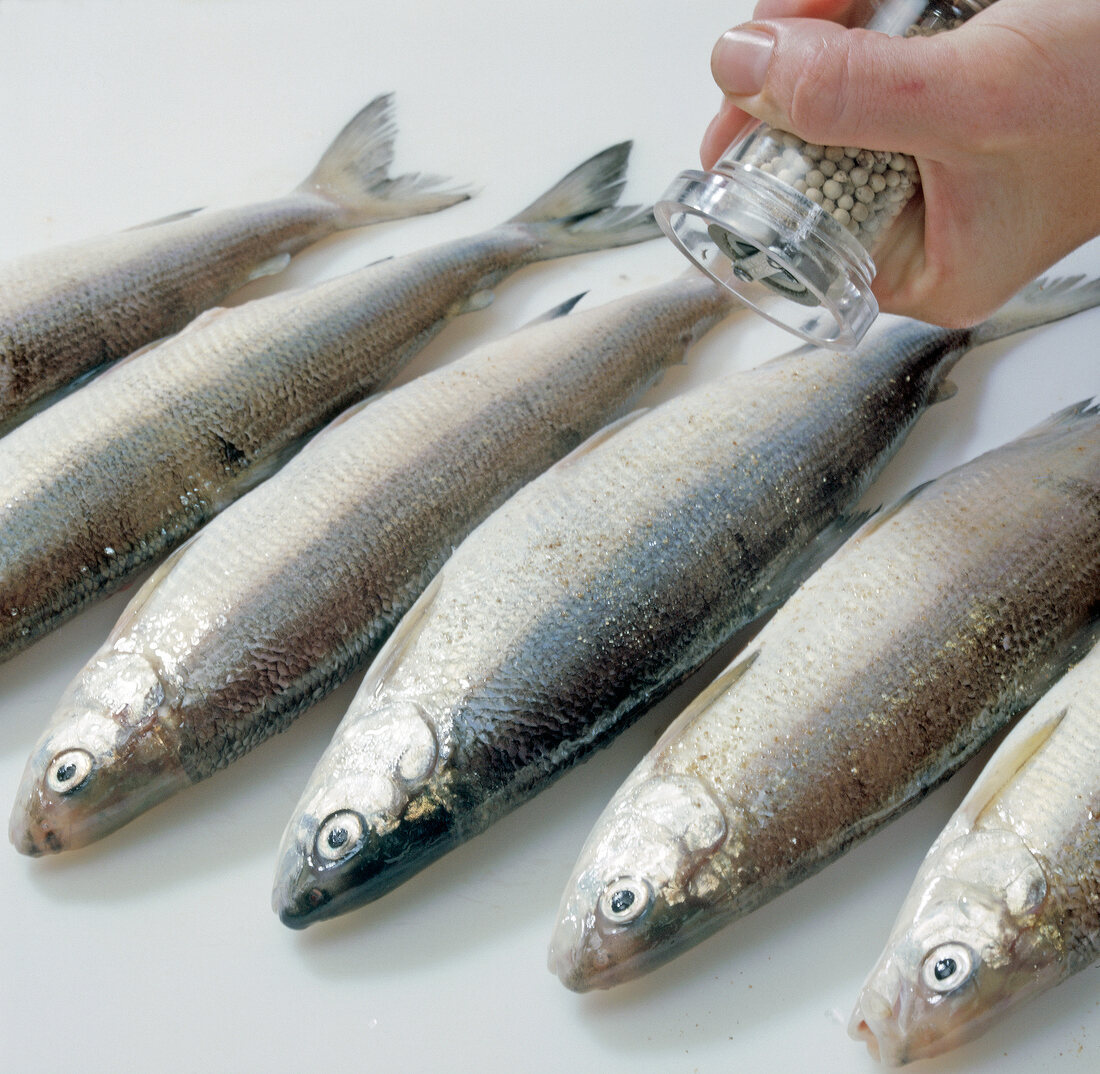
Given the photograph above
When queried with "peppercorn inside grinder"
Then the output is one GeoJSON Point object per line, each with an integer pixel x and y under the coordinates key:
{"type": "Point", "coordinates": [789, 226]}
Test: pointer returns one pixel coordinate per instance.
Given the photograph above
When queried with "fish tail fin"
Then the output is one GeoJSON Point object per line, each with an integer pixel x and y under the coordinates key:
{"type": "Point", "coordinates": [353, 173]}
{"type": "Point", "coordinates": [579, 213]}
{"type": "Point", "coordinates": [1039, 303]}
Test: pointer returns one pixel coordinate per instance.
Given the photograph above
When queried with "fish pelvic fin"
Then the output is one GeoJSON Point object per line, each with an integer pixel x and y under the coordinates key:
{"type": "Point", "coordinates": [1041, 302]}
{"type": "Point", "coordinates": [354, 173]}
{"type": "Point", "coordinates": [579, 213]}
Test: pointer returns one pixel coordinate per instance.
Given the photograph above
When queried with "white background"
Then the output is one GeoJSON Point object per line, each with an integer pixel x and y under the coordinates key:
{"type": "Point", "coordinates": [157, 948]}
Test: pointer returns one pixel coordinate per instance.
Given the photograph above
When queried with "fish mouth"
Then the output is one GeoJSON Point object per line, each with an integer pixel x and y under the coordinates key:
{"type": "Point", "coordinates": [564, 958]}
{"type": "Point", "coordinates": [587, 953]}
{"type": "Point", "coordinates": [47, 821]}
{"type": "Point", "coordinates": [874, 1022]}
{"type": "Point", "coordinates": [307, 891]}
{"type": "Point", "coordinates": [303, 893]}
{"type": "Point", "coordinates": [301, 904]}
{"type": "Point", "coordinates": [40, 823]}
{"type": "Point", "coordinates": [35, 839]}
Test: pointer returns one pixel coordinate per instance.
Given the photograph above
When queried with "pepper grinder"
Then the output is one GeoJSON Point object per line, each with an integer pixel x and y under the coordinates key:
{"type": "Point", "coordinates": [789, 226]}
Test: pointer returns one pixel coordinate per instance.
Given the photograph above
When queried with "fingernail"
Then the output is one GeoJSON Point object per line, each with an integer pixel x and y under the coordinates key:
{"type": "Point", "coordinates": [740, 61]}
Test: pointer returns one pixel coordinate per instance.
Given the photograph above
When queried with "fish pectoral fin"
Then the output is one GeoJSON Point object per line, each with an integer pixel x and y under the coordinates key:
{"type": "Point", "coordinates": [270, 267]}
{"type": "Point", "coordinates": [1083, 409]}
{"type": "Point", "coordinates": [148, 588]}
{"type": "Point", "coordinates": [100, 373]}
{"type": "Point", "coordinates": [807, 560]}
{"type": "Point", "coordinates": [1019, 748]}
{"type": "Point", "coordinates": [169, 219]}
{"type": "Point", "coordinates": [402, 639]}
{"type": "Point", "coordinates": [204, 318]}
{"type": "Point", "coordinates": [345, 415]}
{"type": "Point", "coordinates": [875, 520]}
{"type": "Point", "coordinates": [201, 321]}
{"type": "Point", "coordinates": [725, 681]}
{"type": "Point", "coordinates": [599, 437]}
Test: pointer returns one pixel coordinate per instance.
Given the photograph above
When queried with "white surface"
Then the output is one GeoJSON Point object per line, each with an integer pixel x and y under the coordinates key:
{"type": "Point", "coordinates": [157, 949]}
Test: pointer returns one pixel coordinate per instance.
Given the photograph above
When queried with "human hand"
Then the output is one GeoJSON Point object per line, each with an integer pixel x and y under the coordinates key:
{"type": "Point", "coordinates": [1001, 114]}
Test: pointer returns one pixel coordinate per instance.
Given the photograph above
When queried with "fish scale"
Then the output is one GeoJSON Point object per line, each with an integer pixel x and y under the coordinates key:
{"type": "Point", "coordinates": [597, 588]}
{"type": "Point", "coordinates": [290, 590]}
{"type": "Point", "coordinates": [945, 617]}
{"type": "Point", "coordinates": [116, 474]}
{"type": "Point", "coordinates": [67, 310]}
{"type": "Point", "coordinates": [1009, 892]}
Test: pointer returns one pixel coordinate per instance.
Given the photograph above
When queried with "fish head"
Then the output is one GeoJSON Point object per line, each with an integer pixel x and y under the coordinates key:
{"type": "Point", "coordinates": [635, 897]}
{"type": "Point", "coordinates": [969, 943]}
{"type": "Point", "coordinates": [105, 758]}
{"type": "Point", "coordinates": [375, 811]}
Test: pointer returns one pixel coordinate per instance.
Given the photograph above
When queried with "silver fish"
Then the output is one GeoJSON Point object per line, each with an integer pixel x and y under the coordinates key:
{"type": "Point", "coordinates": [888, 668]}
{"type": "Point", "coordinates": [295, 586]}
{"type": "Point", "coordinates": [111, 477]}
{"type": "Point", "coordinates": [69, 309]}
{"type": "Point", "coordinates": [1007, 902]}
{"type": "Point", "coordinates": [593, 591]}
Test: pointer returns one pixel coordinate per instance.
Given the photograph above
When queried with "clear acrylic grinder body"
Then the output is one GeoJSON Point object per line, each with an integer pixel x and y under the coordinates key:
{"type": "Point", "coordinates": [789, 226]}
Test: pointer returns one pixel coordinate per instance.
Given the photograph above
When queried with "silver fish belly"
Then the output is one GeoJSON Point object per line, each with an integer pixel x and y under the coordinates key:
{"type": "Point", "coordinates": [292, 588]}
{"type": "Point", "coordinates": [67, 310]}
{"type": "Point", "coordinates": [886, 670]}
{"type": "Point", "coordinates": [589, 595]}
{"type": "Point", "coordinates": [1007, 901]}
{"type": "Point", "coordinates": [116, 474]}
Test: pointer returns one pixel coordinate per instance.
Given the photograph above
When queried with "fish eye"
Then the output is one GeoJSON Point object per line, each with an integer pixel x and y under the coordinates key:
{"type": "Point", "coordinates": [68, 770]}
{"type": "Point", "coordinates": [947, 967]}
{"type": "Point", "coordinates": [624, 900]}
{"type": "Point", "coordinates": [339, 835]}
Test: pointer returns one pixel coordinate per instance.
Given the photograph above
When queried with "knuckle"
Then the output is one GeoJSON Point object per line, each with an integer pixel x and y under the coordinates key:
{"type": "Point", "coordinates": [820, 89]}
{"type": "Point", "coordinates": [826, 102]}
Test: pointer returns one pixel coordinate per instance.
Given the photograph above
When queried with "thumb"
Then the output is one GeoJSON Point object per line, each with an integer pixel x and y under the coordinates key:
{"type": "Point", "coordinates": [838, 86]}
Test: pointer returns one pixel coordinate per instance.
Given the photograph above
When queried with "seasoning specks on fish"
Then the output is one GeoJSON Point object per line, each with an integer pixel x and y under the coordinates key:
{"type": "Point", "coordinates": [594, 590]}
{"type": "Point", "coordinates": [891, 665]}
{"type": "Point", "coordinates": [111, 477]}
{"type": "Point", "coordinates": [292, 588]}
{"type": "Point", "coordinates": [1006, 903]}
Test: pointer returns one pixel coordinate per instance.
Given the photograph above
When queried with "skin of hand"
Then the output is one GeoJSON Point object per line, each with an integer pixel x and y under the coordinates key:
{"type": "Point", "coordinates": [1002, 115]}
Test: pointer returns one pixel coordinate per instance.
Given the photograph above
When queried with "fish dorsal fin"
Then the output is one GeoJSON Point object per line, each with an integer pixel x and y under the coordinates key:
{"type": "Point", "coordinates": [402, 639]}
{"type": "Point", "coordinates": [599, 437]}
{"type": "Point", "coordinates": [1083, 409]}
{"type": "Point", "coordinates": [1021, 745]}
{"type": "Point", "coordinates": [171, 218]}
